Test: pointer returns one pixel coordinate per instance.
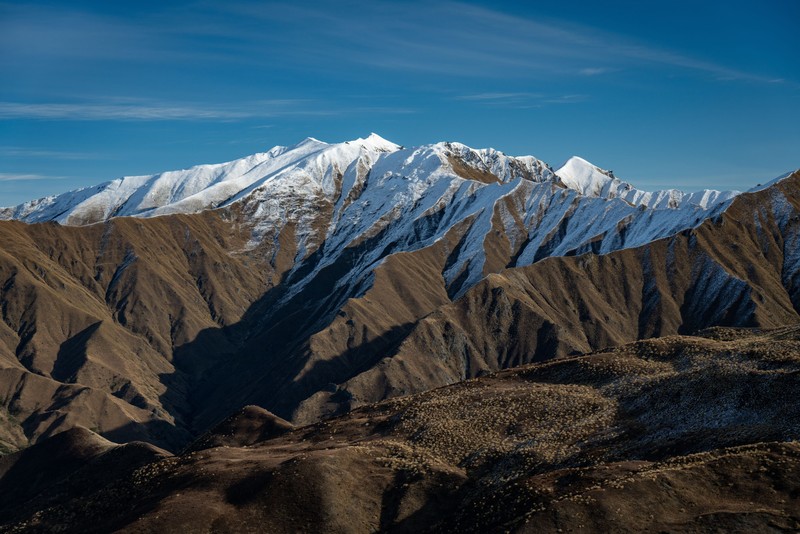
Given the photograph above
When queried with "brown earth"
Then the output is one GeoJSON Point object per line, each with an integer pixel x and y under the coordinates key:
{"type": "Point", "coordinates": [677, 434]}
{"type": "Point", "coordinates": [158, 329]}
{"type": "Point", "coordinates": [91, 316]}
{"type": "Point", "coordinates": [732, 271]}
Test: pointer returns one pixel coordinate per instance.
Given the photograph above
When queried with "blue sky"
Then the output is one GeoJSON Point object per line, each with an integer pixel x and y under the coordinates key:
{"type": "Point", "coordinates": [667, 94]}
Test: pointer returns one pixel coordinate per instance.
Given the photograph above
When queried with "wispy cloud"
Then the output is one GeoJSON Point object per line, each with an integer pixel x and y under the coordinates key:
{"type": "Point", "coordinates": [594, 71]}
{"type": "Point", "coordinates": [665, 57]}
{"type": "Point", "coordinates": [521, 100]}
{"type": "Point", "coordinates": [141, 111]}
{"type": "Point", "coordinates": [493, 97]}
{"type": "Point", "coordinates": [475, 41]}
{"type": "Point", "coordinates": [14, 177]}
{"type": "Point", "coordinates": [23, 152]}
{"type": "Point", "coordinates": [567, 99]}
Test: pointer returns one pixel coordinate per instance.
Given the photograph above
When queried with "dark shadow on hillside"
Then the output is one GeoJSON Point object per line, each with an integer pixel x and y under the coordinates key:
{"type": "Point", "coordinates": [324, 373]}
{"type": "Point", "coordinates": [158, 432]}
{"type": "Point", "coordinates": [258, 359]}
{"type": "Point", "coordinates": [72, 354]}
{"type": "Point", "coordinates": [71, 464]}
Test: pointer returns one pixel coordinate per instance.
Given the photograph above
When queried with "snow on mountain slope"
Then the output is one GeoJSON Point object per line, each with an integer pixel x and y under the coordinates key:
{"type": "Point", "coordinates": [335, 197]}
{"type": "Point", "coordinates": [312, 163]}
{"type": "Point", "coordinates": [187, 191]}
{"type": "Point", "coordinates": [589, 180]}
{"type": "Point", "coordinates": [408, 199]}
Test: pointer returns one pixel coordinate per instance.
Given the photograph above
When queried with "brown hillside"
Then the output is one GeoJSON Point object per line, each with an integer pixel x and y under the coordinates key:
{"type": "Point", "coordinates": [734, 270]}
{"type": "Point", "coordinates": [91, 316]}
{"type": "Point", "coordinates": [158, 329]}
{"type": "Point", "coordinates": [672, 434]}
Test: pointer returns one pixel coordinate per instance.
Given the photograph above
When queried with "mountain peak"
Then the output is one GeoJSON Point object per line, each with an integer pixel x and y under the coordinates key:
{"type": "Point", "coordinates": [309, 141]}
{"type": "Point", "coordinates": [583, 176]}
{"type": "Point", "coordinates": [375, 142]}
{"type": "Point", "coordinates": [309, 171]}
{"type": "Point", "coordinates": [590, 180]}
{"type": "Point", "coordinates": [577, 160]}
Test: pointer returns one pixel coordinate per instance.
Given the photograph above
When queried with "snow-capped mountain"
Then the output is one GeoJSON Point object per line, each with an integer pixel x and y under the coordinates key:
{"type": "Point", "coordinates": [310, 166]}
{"type": "Point", "coordinates": [589, 180]}
{"type": "Point", "coordinates": [188, 191]}
{"type": "Point", "coordinates": [314, 278]}
{"type": "Point", "coordinates": [400, 199]}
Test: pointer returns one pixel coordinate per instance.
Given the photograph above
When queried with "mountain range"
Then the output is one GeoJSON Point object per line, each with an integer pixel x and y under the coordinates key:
{"type": "Point", "coordinates": [318, 280]}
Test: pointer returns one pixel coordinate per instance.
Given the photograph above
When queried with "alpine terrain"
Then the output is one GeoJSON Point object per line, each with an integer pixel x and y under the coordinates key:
{"type": "Point", "coordinates": [367, 337]}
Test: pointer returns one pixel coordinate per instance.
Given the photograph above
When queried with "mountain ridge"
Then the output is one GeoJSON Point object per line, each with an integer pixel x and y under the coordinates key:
{"type": "Point", "coordinates": [580, 175]}
{"type": "Point", "coordinates": [310, 293]}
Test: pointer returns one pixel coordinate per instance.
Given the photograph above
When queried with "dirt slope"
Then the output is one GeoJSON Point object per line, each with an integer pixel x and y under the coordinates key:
{"type": "Point", "coordinates": [158, 329]}
{"type": "Point", "coordinates": [91, 317]}
{"type": "Point", "coordinates": [739, 269]}
{"type": "Point", "coordinates": [673, 434]}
